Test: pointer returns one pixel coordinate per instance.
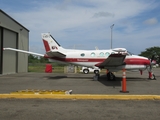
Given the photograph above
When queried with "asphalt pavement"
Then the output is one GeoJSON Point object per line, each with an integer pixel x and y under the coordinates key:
{"type": "Point", "coordinates": [49, 109]}
{"type": "Point", "coordinates": [76, 109]}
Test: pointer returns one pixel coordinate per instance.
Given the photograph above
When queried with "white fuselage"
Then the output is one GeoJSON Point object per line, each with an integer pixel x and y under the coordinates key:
{"type": "Point", "coordinates": [90, 58]}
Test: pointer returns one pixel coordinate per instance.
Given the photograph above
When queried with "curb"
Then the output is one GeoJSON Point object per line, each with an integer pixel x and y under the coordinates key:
{"type": "Point", "coordinates": [81, 97]}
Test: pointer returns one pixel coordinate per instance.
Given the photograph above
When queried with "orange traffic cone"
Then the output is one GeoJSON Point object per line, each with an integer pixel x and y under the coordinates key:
{"type": "Point", "coordinates": [124, 86]}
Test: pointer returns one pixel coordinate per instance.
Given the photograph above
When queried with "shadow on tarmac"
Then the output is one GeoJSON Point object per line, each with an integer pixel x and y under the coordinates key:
{"type": "Point", "coordinates": [72, 77]}
{"type": "Point", "coordinates": [55, 77]}
{"type": "Point", "coordinates": [102, 79]}
{"type": "Point", "coordinates": [117, 81]}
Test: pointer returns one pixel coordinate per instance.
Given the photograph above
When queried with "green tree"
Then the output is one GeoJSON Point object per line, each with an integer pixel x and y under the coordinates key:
{"type": "Point", "coordinates": [36, 59]}
{"type": "Point", "coordinates": [149, 52]}
{"type": "Point", "coordinates": [33, 59]}
{"type": "Point", "coordinates": [43, 60]}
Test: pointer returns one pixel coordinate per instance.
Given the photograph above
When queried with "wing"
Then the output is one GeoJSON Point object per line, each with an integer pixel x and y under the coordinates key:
{"type": "Point", "coordinates": [55, 54]}
{"type": "Point", "coordinates": [113, 60]}
{"type": "Point", "coordinates": [23, 51]}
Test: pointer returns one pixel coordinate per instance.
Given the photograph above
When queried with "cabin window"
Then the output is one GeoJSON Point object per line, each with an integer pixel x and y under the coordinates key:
{"type": "Point", "coordinates": [92, 54]}
{"type": "Point", "coordinates": [101, 54]}
{"type": "Point", "coordinates": [82, 54]}
{"type": "Point", "coordinates": [107, 54]}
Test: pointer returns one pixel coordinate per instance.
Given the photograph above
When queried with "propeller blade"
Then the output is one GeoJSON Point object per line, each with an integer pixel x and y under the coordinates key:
{"type": "Point", "coordinates": [152, 58]}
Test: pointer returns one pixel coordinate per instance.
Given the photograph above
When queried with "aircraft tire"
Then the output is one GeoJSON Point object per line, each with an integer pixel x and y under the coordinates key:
{"type": "Point", "coordinates": [153, 77]}
{"type": "Point", "coordinates": [110, 76]}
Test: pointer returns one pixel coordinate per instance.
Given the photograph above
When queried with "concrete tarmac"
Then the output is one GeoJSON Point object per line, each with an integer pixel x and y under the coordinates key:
{"type": "Point", "coordinates": [81, 83]}
{"type": "Point", "coordinates": [74, 109]}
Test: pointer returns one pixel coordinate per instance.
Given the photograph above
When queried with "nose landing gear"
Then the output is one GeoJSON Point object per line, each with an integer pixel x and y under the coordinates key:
{"type": "Point", "coordinates": [151, 76]}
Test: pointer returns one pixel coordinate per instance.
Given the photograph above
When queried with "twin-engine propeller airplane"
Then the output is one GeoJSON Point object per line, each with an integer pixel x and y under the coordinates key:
{"type": "Point", "coordinates": [113, 59]}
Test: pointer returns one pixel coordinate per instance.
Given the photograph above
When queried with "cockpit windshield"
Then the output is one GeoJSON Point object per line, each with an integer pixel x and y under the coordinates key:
{"type": "Point", "coordinates": [129, 53]}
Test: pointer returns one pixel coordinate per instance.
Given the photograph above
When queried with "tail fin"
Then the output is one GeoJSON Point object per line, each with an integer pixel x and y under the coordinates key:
{"type": "Point", "coordinates": [50, 43]}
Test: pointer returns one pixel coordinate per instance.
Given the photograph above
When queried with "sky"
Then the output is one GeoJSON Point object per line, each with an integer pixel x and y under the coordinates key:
{"type": "Point", "coordinates": [86, 24]}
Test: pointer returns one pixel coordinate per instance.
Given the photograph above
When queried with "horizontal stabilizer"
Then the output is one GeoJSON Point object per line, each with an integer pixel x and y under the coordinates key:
{"type": "Point", "coordinates": [55, 54]}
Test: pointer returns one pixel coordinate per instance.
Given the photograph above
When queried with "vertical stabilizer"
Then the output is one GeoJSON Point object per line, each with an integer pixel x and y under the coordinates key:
{"type": "Point", "coordinates": [50, 43]}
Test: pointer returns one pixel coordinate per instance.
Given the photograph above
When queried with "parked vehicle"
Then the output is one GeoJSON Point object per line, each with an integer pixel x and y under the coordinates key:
{"type": "Point", "coordinates": [87, 70]}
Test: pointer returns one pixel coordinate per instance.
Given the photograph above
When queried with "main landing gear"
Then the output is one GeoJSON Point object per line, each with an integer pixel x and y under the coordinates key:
{"type": "Point", "coordinates": [96, 77]}
{"type": "Point", "coordinates": [110, 76]}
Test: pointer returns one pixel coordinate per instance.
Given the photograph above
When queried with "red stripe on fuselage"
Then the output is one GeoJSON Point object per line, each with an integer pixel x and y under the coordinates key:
{"type": "Point", "coordinates": [46, 45]}
{"type": "Point", "coordinates": [128, 61]}
{"type": "Point", "coordinates": [137, 61]}
{"type": "Point", "coordinates": [76, 59]}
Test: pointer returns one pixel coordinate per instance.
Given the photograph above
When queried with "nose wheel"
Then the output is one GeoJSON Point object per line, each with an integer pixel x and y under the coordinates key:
{"type": "Point", "coordinates": [152, 76]}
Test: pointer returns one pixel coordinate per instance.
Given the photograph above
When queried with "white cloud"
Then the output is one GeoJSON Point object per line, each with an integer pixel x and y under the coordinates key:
{"type": "Point", "coordinates": [151, 21]}
{"type": "Point", "coordinates": [103, 14]}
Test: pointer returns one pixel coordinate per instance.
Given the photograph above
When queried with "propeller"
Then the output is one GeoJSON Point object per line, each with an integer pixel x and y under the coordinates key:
{"type": "Point", "coordinates": [152, 58]}
{"type": "Point", "coordinates": [150, 67]}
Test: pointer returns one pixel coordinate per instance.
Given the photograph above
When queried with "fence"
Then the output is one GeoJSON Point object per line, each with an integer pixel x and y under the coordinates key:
{"type": "Point", "coordinates": [40, 67]}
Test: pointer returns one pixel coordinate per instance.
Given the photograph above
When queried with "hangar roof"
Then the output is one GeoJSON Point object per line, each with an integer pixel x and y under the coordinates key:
{"type": "Point", "coordinates": [13, 19]}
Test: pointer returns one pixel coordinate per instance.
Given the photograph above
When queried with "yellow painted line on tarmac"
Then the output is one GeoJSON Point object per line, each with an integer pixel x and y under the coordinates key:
{"type": "Point", "coordinates": [81, 96]}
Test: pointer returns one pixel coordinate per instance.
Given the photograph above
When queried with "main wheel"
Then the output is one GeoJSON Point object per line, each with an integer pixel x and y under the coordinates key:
{"type": "Point", "coordinates": [110, 76]}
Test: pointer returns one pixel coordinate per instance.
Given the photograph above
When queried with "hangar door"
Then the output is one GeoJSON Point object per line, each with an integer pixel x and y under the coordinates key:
{"type": "Point", "coordinates": [9, 57]}
{"type": "Point", "coordinates": [0, 50]}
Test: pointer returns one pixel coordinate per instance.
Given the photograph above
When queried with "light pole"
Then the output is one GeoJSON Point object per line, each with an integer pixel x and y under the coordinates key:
{"type": "Point", "coordinates": [111, 34]}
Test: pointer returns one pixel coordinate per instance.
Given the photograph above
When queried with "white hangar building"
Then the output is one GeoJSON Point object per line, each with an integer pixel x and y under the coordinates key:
{"type": "Point", "coordinates": [14, 35]}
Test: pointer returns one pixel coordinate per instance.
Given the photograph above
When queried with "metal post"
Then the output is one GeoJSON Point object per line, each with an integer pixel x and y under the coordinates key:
{"type": "Point", "coordinates": [111, 34]}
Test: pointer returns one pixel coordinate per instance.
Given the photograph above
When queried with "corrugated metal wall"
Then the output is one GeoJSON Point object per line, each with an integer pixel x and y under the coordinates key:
{"type": "Point", "coordinates": [0, 50]}
{"type": "Point", "coordinates": [9, 57]}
